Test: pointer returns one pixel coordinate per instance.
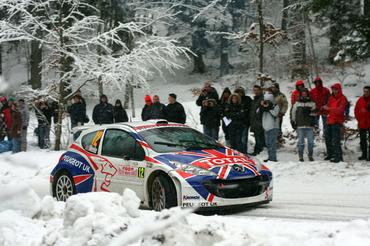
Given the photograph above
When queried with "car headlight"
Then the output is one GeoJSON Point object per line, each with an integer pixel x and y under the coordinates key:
{"type": "Point", "coordinates": [193, 169]}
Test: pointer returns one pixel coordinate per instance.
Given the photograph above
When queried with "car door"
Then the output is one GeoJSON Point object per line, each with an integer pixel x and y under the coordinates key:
{"type": "Point", "coordinates": [126, 157]}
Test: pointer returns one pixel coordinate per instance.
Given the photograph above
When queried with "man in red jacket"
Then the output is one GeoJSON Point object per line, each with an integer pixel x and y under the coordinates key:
{"type": "Point", "coordinates": [299, 85]}
{"type": "Point", "coordinates": [362, 114]}
{"type": "Point", "coordinates": [320, 95]}
{"type": "Point", "coordinates": [335, 110]}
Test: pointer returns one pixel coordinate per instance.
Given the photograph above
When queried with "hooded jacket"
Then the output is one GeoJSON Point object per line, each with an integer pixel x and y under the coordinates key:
{"type": "Point", "coordinates": [235, 112]}
{"type": "Point", "coordinates": [362, 112]}
{"type": "Point", "coordinates": [336, 106]}
{"type": "Point", "coordinates": [320, 95]}
{"type": "Point", "coordinates": [103, 112]}
{"type": "Point", "coordinates": [270, 119]}
{"type": "Point", "coordinates": [120, 114]}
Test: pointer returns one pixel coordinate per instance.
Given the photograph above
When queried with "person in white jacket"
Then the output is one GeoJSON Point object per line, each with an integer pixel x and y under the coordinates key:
{"type": "Point", "coordinates": [270, 124]}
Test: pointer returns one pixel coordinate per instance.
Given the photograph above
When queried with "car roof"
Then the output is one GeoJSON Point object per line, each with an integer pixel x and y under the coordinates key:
{"type": "Point", "coordinates": [136, 125]}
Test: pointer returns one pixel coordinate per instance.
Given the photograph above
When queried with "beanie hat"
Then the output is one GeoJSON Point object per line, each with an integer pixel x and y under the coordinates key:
{"type": "Point", "coordinates": [148, 100]}
{"type": "Point", "coordinates": [299, 82]}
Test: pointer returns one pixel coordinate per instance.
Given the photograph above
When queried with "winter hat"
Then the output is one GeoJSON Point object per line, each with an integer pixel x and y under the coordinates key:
{"type": "Point", "coordinates": [11, 99]}
{"type": "Point", "coordinates": [268, 97]}
{"type": "Point", "coordinates": [148, 100]}
{"type": "Point", "coordinates": [299, 82]}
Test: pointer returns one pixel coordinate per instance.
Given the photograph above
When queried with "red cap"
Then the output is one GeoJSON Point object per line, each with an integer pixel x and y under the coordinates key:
{"type": "Point", "coordinates": [299, 82]}
{"type": "Point", "coordinates": [148, 100]}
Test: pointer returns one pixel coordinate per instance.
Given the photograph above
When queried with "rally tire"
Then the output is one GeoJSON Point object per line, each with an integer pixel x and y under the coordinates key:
{"type": "Point", "coordinates": [64, 186]}
{"type": "Point", "coordinates": [163, 193]}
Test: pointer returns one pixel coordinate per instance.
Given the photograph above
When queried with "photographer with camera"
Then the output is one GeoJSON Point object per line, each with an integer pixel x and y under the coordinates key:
{"type": "Point", "coordinates": [208, 92]}
{"type": "Point", "coordinates": [270, 123]}
{"type": "Point", "coordinates": [362, 114]}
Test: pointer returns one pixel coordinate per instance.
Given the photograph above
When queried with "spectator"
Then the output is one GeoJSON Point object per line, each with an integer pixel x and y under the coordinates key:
{"type": "Point", "coordinates": [103, 112]}
{"type": "Point", "coordinates": [153, 109]}
{"type": "Point", "coordinates": [210, 116]}
{"type": "Point", "coordinates": [246, 103]}
{"type": "Point", "coordinates": [255, 116]}
{"type": "Point", "coordinates": [224, 101]}
{"type": "Point", "coordinates": [78, 93]}
{"type": "Point", "coordinates": [320, 96]}
{"type": "Point", "coordinates": [77, 112]}
{"type": "Point", "coordinates": [43, 115]}
{"type": "Point", "coordinates": [270, 124]}
{"type": "Point", "coordinates": [175, 110]}
{"type": "Point", "coordinates": [335, 110]}
{"type": "Point", "coordinates": [299, 85]}
{"type": "Point", "coordinates": [25, 116]}
{"type": "Point", "coordinates": [362, 114]}
{"type": "Point", "coordinates": [282, 102]}
{"type": "Point", "coordinates": [120, 114]}
{"type": "Point", "coordinates": [235, 112]}
{"type": "Point", "coordinates": [16, 128]}
{"type": "Point", "coordinates": [303, 118]}
{"type": "Point", "coordinates": [6, 110]}
{"type": "Point", "coordinates": [2, 128]}
{"type": "Point", "coordinates": [208, 92]}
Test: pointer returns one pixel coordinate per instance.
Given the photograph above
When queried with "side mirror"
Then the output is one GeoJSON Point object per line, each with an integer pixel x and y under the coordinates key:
{"type": "Point", "coordinates": [127, 157]}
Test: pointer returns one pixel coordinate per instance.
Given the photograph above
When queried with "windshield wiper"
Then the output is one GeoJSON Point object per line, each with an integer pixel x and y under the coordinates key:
{"type": "Point", "coordinates": [169, 144]}
{"type": "Point", "coordinates": [199, 145]}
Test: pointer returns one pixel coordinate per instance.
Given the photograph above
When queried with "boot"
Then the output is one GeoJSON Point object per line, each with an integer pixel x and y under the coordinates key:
{"type": "Point", "coordinates": [310, 158]}
{"type": "Point", "coordinates": [301, 157]}
{"type": "Point", "coordinates": [328, 158]}
{"type": "Point", "coordinates": [362, 157]}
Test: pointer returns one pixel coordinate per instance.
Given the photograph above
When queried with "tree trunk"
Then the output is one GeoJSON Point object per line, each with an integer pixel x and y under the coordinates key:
{"type": "Point", "coordinates": [224, 57]}
{"type": "Point", "coordinates": [314, 59]}
{"type": "Point", "coordinates": [36, 69]}
{"type": "Point", "coordinates": [1, 59]}
{"type": "Point", "coordinates": [261, 25]}
{"type": "Point", "coordinates": [126, 99]}
{"type": "Point", "coordinates": [284, 19]}
{"type": "Point", "coordinates": [199, 66]}
{"type": "Point", "coordinates": [132, 101]}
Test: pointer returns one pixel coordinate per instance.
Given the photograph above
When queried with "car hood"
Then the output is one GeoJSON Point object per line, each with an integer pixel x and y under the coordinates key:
{"type": "Point", "coordinates": [219, 161]}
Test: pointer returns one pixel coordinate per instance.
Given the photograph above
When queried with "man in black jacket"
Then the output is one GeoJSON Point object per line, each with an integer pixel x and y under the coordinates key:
{"type": "Point", "coordinates": [246, 104]}
{"type": "Point", "coordinates": [255, 116]}
{"type": "Point", "coordinates": [103, 112]}
{"type": "Point", "coordinates": [175, 110]}
{"type": "Point", "coordinates": [208, 92]}
{"type": "Point", "coordinates": [77, 112]}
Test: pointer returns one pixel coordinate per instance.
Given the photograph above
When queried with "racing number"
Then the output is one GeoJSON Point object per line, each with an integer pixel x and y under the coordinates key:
{"type": "Point", "coordinates": [141, 172]}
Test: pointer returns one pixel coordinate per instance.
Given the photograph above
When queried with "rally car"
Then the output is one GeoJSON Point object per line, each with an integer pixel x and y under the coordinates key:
{"type": "Point", "coordinates": [166, 164]}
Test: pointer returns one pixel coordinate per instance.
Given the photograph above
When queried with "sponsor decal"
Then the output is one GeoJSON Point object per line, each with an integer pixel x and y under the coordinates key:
{"type": "Point", "coordinates": [201, 204]}
{"type": "Point", "coordinates": [224, 161]}
{"type": "Point", "coordinates": [127, 171]}
{"type": "Point", "coordinates": [109, 170]}
{"type": "Point", "coordinates": [185, 197]}
{"type": "Point", "coordinates": [239, 168]}
{"type": "Point", "coordinates": [141, 172]}
{"type": "Point", "coordinates": [74, 162]}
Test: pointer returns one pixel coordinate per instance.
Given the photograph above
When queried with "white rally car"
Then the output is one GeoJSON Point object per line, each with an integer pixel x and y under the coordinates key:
{"type": "Point", "coordinates": [166, 164]}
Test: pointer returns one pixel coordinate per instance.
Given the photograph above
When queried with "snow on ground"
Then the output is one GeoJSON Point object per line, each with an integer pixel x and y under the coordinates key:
{"type": "Point", "coordinates": [315, 203]}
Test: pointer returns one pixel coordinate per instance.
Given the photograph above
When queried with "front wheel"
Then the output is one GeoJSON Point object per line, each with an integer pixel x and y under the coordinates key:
{"type": "Point", "coordinates": [64, 187]}
{"type": "Point", "coordinates": [163, 193]}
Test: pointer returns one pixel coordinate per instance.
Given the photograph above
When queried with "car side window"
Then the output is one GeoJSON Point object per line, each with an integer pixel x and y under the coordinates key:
{"type": "Point", "coordinates": [120, 144]}
{"type": "Point", "coordinates": [90, 142]}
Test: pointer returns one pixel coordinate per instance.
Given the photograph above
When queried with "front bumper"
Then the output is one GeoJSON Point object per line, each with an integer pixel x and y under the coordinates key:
{"type": "Point", "coordinates": [224, 193]}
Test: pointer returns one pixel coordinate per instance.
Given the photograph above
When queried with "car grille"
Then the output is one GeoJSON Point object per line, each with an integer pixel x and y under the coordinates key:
{"type": "Point", "coordinates": [237, 188]}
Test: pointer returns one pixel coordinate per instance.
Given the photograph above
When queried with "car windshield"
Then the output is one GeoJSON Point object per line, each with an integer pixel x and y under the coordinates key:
{"type": "Point", "coordinates": [173, 139]}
